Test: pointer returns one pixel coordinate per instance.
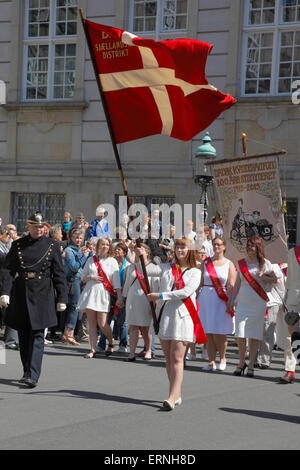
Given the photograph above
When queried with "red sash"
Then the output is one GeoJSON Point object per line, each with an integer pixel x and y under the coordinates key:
{"type": "Point", "coordinates": [193, 311]}
{"type": "Point", "coordinates": [251, 281]}
{"type": "Point", "coordinates": [217, 283]}
{"type": "Point", "coordinates": [106, 282]}
{"type": "Point", "coordinates": [283, 267]}
{"type": "Point", "coordinates": [141, 280]}
{"type": "Point", "coordinates": [297, 253]}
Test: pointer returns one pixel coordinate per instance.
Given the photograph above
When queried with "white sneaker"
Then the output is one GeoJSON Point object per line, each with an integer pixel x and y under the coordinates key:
{"type": "Point", "coordinates": [209, 368]}
{"type": "Point", "coordinates": [204, 354]}
{"type": "Point", "coordinates": [190, 357]}
{"type": "Point", "coordinates": [122, 349]}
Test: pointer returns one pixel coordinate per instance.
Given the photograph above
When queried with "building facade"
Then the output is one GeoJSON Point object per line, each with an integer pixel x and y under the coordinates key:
{"type": "Point", "coordinates": [55, 150]}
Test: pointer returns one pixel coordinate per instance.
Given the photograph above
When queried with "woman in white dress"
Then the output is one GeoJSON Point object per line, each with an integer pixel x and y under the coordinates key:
{"type": "Point", "coordinates": [176, 328]}
{"type": "Point", "coordinates": [95, 298]}
{"type": "Point", "coordinates": [217, 322]}
{"type": "Point", "coordinates": [251, 302]}
{"type": "Point", "coordinates": [138, 314]}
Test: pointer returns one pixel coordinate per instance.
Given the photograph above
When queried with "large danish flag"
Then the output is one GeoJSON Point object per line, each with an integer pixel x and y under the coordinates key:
{"type": "Point", "coordinates": [155, 87]}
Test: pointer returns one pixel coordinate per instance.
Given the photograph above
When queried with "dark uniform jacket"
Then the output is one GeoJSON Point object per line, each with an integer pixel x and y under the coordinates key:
{"type": "Point", "coordinates": [34, 280]}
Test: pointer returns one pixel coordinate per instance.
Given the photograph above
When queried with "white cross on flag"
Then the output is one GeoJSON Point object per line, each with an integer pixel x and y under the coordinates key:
{"type": "Point", "coordinates": [155, 87]}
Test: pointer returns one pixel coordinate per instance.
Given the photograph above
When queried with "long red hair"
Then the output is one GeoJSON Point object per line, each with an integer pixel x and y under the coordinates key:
{"type": "Point", "coordinates": [260, 252]}
{"type": "Point", "coordinates": [191, 256]}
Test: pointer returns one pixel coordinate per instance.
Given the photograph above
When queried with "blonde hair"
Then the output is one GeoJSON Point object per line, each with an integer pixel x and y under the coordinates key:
{"type": "Point", "coordinates": [99, 244]}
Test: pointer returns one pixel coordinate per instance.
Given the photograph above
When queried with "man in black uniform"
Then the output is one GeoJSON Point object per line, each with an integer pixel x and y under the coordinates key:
{"type": "Point", "coordinates": [34, 277]}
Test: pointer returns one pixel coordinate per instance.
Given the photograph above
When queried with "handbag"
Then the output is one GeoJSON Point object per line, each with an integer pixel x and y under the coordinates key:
{"type": "Point", "coordinates": [291, 317]}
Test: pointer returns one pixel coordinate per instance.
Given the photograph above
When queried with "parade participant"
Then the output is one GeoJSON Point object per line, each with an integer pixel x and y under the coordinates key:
{"type": "Point", "coordinates": [74, 261]}
{"type": "Point", "coordinates": [138, 315]}
{"type": "Point", "coordinates": [293, 304]}
{"type": "Point", "coordinates": [276, 295]}
{"type": "Point", "coordinates": [102, 279]}
{"type": "Point", "coordinates": [120, 328]}
{"type": "Point", "coordinates": [255, 276]}
{"type": "Point", "coordinates": [200, 256]}
{"type": "Point", "coordinates": [177, 314]}
{"type": "Point", "coordinates": [217, 281]}
{"type": "Point", "coordinates": [34, 271]}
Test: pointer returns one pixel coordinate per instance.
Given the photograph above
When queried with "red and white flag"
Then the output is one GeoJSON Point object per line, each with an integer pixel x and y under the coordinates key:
{"type": "Point", "coordinates": [155, 87]}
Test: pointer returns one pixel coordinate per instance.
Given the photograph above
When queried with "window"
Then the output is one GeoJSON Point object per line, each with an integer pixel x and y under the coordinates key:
{"type": "Point", "coordinates": [52, 206]}
{"type": "Point", "coordinates": [271, 54]}
{"type": "Point", "coordinates": [162, 15]}
{"type": "Point", "coordinates": [291, 221]}
{"type": "Point", "coordinates": [49, 49]}
{"type": "Point", "coordinates": [147, 201]}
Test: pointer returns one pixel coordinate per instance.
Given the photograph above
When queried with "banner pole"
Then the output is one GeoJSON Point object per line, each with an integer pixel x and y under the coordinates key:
{"type": "Point", "coordinates": [117, 156]}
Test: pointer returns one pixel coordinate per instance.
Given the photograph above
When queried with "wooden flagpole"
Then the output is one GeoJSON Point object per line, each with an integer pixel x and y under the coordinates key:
{"type": "Point", "coordinates": [117, 157]}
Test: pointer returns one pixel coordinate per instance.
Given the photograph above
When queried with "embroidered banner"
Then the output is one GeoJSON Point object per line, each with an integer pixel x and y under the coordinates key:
{"type": "Point", "coordinates": [250, 203]}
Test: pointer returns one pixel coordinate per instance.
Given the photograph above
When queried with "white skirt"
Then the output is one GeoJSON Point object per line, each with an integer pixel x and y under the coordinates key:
{"type": "Point", "coordinates": [173, 326]}
{"type": "Point", "coordinates": [94, 297]}
{"type": "Point", "coordinates": [212, 313]}
{"type": "Point", "coordinates": [250, 314]}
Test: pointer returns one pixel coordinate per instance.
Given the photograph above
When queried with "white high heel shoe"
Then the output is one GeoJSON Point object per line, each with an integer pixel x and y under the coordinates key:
{"type": "Point", "coordinates": [168, 405]}
{"type": "Point", "coordinates": [178, 402]}
{"type": "Point", "coordinates": [222, 366]}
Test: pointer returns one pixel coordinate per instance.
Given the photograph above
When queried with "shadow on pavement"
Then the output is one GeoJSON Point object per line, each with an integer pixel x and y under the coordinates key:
{"type": "Point", "coordinates": [99, 396]}
{"type": "Point", "coordinates": [264, 414]}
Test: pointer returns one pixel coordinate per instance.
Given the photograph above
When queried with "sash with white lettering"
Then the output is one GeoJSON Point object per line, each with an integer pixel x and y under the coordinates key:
{"type": "Point", "coordinates": [297, 253]}
{"type": "Point", "coordinates": [251, 281]}
{"type": "Point", "coordinates": [105, 281]}
{"type": "Point", "coordinates": [193, 311]}
{"type": "Point", "coordinates": [217, 283]}
{"type": "Point", "coordinates": [141, 280]}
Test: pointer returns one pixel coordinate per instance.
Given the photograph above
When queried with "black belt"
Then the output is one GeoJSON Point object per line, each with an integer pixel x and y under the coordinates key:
{"type": "Point", "coordinates": [33, 275]}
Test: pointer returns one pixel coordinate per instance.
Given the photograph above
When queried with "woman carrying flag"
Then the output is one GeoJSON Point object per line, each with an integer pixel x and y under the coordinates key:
{"type": "Point", "coordinates": [102, 278]}
{"type": "Point", "coordinates": [177, 312]}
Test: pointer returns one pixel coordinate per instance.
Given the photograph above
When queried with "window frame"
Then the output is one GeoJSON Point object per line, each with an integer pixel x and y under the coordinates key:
{"type": "Point", "coordinates": [39, 202]}
{"type": "Point", "coordinates": [159, 20]}
{"type": "Point", "coordinates": [278, 27]}
{"type": "Point", "coordinates": [51, 40]}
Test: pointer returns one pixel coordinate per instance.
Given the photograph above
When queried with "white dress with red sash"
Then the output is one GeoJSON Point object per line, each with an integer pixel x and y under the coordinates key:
{"type": "Point", "coordinates": [212, 309]}
{"type": "Point", "coordinates": [176, 322]}
{"type": "Point", "coordinates": [137, 305]}
{"type": "Point", "coordinates": [251, 308]}
{"type": "Point", "coordinates": [94, 295]}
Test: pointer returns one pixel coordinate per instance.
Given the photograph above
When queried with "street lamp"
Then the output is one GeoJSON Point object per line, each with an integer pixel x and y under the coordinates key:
{"type": "Point", "coordinates": [205, 152]}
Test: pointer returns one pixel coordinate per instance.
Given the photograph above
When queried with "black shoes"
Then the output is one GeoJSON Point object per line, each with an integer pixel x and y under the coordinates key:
{"type": "Point", "coordinates": [240, 370]}
{"type": "Point", "coordinates": [130, 359]}
{"type": "Point", "coordinates": [29, 382]}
